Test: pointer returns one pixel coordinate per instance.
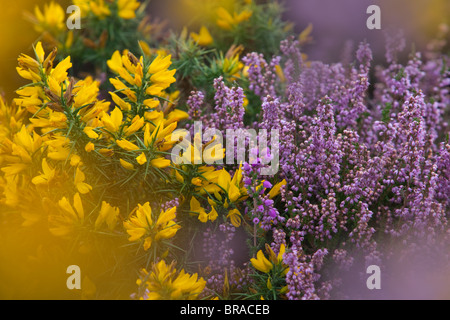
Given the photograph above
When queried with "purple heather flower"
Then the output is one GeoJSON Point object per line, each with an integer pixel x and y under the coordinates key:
{"type": "Point", "coordinates": [267, 184]}
{"type": "Point", "coordinates": [273, 213]}
{"type": "Point", "coordinates": [363, 171]}
{"type": "Point", "coordinates": [262, 75]}
{"type": "Point", "coordinates": [229, 106]}
{"type": "Point", "coordinates": [247, 181]}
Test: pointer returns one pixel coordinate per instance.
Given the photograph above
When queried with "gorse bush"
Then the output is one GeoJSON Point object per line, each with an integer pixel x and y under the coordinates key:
{"type": "Point", "coordinates": [88, 175]}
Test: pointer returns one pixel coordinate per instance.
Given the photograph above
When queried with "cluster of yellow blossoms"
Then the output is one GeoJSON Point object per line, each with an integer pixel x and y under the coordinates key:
{"type": "Point", "coordinates": [273, 269]}
{"type": "Point", "coordinates": [53, 17]}
{"type": "Point", "coordinates": [141, 224]}
{"type": "Point", "coordinates": [57, 131]}
{"type": "Point", "coordinates": [165, 283]}
{"type": "Point", "coordinates": [126, 9]}
{"type": "Point", "coordinates": [62, 148]}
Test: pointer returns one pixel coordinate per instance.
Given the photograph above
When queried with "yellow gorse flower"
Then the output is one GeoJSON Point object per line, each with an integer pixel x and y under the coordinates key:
{"type": "Point", "coordinates": [112, 122]}
{"type": "Point", "coordinates": [84, 6]}
{"type": "Point", "coordinates": [261, 263]}
{"type": "Point", "coordinates": [127, 145]}
{"type": "Point", "coordinates": [141, 159]}
{"type": "Point", "coordinates": [234, 187]}
{"type": "Point", "coordinates": [99, 8]}
{"type": "Point", "coordinates": [81, 186]}
{"type": "Point", "coordinates": [47, 174]}
{"type": "Point", "coordinates": [161, 136]}
{"type": "Point", "coordinates": [16, 154]}
{"type": "Point", "coordinates": [195, 207]}
{"type": "Point", "coordinates": [52, 18]}
{"type": "Point", "coordinates": [86, 93]}
{"type": "Point", "coordinates": [58, 148]}
{"type": "Point", "coordinates": [276, 259]}
{"type": "Point", "coordinates": [68, 217]}
{"type": "Point", "coordinates": [235, 217]}
{"type": "Point", "coordinates": [165, 283]}
{"type": "Point", "coordinates": [130, 69]}
{"type": "Point", "coordinates": [11, 117]}
{"type": "Point", "coordinates": [29, 68]}
{"type": "Point", "coordinates": [227, 21]}
{"type": "Point", "coordinates": [127, 8]}
{"type": "Point", "coordinates": [231, 66]}
{"type": "Point", "coordinates": [158, 121]}
{"type": "Point", "coordinates": [136, 124]}
{"type": "Point", "coordinates": [89, 147]}
{"type": "Point", "coordinates": [50, 85]}
{"type": "Point", "coordinates": [126, 164]}
{"type": "Point", "coordinates": [203, 38]}
{"type": "Point", "coordinates": [108, 215]}
{"type": "Point", "coordinates": [141, 224]}
{"type": "Point", "coordinates": [196, 152]}
{"type": "Point", "coordinates": [276, 189]}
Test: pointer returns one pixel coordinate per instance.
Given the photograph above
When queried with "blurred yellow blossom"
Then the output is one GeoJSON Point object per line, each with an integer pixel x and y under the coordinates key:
{"type": "Point", "coordinates": [203, 38]}
{"type": "Point", "coordinates": [165, 283]}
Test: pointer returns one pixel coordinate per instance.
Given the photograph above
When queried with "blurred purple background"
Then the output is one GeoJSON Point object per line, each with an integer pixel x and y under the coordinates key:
{"type": "Point", "coordinates": [335, 22]}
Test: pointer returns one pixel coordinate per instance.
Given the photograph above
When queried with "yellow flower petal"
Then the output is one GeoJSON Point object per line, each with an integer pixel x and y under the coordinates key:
{"type": "Point", "coordinates": [126, 164]}
{"type": "Point", "coordinates": [89, 147]}
{"type": "Point", "coordinates": [90, 132]}
{"type": "Point", "coordinates": [40, 52]}
{"type": "Point", "coordinates": [108, 214]}
{"type": "Point", "coordinates": [159, 64]}
{"type": "Point", "coordinates": [261, 263]}
{"type": "Point", "coordinates": [75, 160]}
{"type": "Point", "coordinates": [127, 145]}
{"type": "Point", "coordinates": [160, 163]}
{"type": "Point", "coordinates": [235, 217]}
{"type": "Point", "coordinates": [203, 38]}
{"type": "Point", "coordinates": [141, 159]}
{"type": "Point", "coordinates": [60, 71]}
{"type": "Point", "coordinates": [276, 189]}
